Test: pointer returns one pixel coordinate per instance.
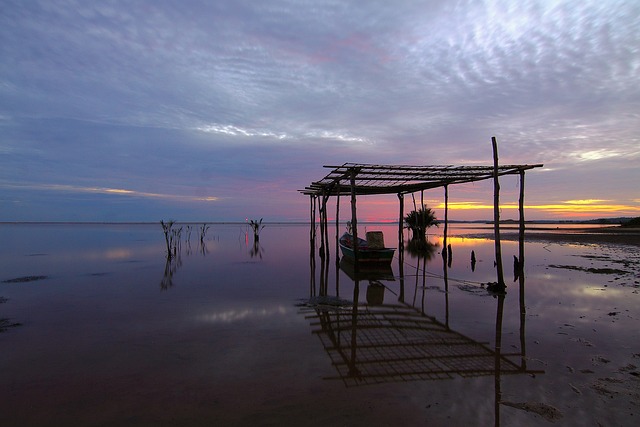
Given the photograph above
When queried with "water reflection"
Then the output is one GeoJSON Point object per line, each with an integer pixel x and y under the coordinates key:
{"type": "Point", "coordinates": [381, 339]}
{"type": "Point", "coordinates": [422, 248]}
{"type": "Point", "coordinates": [171, 265]}
{"type": "Point", "coordinates": [226, 332]}
{"type": "Point", "coordinates": [173, 254]}
{"type": "Point", "coordinates": [256, 250]}
{"type": "Point", "coordinates": [6, 323]}
{"type": "Point", "coordinates": [367, 272]}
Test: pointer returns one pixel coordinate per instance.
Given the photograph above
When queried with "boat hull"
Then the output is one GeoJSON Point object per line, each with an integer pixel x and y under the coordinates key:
{"type": "Point", "coordinates": [365, 254]}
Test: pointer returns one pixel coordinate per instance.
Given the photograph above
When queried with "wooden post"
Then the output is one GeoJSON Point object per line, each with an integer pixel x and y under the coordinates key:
{"type": "Point", "coordinates": [337, 225]}
{"type": "Point", "coordinates": [444, 248]}
{"type": "Point", "coordinates": [446, 217]}
{"type": "Point", "coordinates": [422, 213]}
{"type": "Point", "coordinates": [312, 244]}
{"type": "Point", "coordinates": [321, 221]}
{"type": "Point", "coordinates": [354, 218]}
{"type": "Point", "coordinates": [496, 213]}
{"type": "Point", "coordinates": [401, 247]}
{"type": "Point", "coordinates": [326, 226]}
{"type": "Point", "coordinates": [401, 223]}
{"type": "Point", "coordinates": [521, 235]}
{"type": "Point", "coordinates": [312, 231]}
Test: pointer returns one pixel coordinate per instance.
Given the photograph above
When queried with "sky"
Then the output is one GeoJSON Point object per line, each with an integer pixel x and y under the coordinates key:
{"type": "Point", "coordinates": [222, 110]}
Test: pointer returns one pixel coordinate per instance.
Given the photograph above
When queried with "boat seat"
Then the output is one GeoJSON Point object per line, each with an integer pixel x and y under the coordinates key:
{"type": "Point", "coordinates": [375, 240]}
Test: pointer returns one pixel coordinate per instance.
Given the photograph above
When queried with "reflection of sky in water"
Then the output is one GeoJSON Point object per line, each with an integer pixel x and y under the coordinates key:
{"type": "Point", "coordinates": [230, 316]}
{"type": "Point", "coordinates": [226, 332]}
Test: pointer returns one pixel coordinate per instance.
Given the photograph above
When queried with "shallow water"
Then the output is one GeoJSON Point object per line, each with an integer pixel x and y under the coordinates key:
{"type": "Point", "coordinates": [230, 333]}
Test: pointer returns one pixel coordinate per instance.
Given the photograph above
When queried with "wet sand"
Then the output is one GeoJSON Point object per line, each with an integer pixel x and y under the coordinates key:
{"type": "Point", "coordinates": [614, 235]}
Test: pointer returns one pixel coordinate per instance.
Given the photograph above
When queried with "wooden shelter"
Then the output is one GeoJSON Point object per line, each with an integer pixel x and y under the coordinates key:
{"type": "Point", "coordinates": [356, 179]}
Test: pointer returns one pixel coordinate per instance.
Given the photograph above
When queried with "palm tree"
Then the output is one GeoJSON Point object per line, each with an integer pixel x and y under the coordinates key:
{"type": "Point", "coordinates": [418, 222]}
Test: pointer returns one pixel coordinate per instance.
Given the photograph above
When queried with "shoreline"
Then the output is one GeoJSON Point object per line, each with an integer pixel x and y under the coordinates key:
{"type": "Point", "coordinates": [614, 235]}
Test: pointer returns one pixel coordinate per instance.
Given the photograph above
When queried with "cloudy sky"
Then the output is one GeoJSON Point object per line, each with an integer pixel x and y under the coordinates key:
{"type": "Point", "coordinates": [222, 110]}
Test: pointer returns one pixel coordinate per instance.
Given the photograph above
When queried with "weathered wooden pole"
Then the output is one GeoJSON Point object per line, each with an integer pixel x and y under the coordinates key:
{"type": "Point", "coordinates": [521, 238]}
{"type": "Point", "coordinates": [354, 218]}
{"type": "Point", "coordinates": [312, 231]}
{"type": "Point", "coordinates": [401, 222]}
{"type": "Point", "coordinates": [422, 214]}
{"type": "Point", "coordinates": [446, 217]}
{"type": "Point", "coordinates": [337, 224]}
{"type": "Point", "coordinates": [496, 213]}
{"type": "Point", "coordinates": [326, 225]}
{"type": "Point", "coordinates": [444, 248]}
{"type": "Point", "coordinates": [321, 213]}
{"type": "Point", "coordinates": [401, 247]}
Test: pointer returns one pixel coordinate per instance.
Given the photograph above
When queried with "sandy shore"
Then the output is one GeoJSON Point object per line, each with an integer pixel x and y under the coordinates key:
{"type": "Point", "coordinates": [613, 235]}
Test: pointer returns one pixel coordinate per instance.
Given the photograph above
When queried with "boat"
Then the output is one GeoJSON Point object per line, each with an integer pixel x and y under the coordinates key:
{"type": "Point", "coordinates": [371, 250]}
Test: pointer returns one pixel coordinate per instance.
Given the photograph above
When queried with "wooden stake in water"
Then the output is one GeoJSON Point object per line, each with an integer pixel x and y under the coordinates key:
{"type": "Point", "coordinates": [496, 212]}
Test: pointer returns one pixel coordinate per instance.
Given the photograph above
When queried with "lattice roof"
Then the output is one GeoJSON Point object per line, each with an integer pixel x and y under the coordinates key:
{"type": "Point", "coordinates": [393, 179]}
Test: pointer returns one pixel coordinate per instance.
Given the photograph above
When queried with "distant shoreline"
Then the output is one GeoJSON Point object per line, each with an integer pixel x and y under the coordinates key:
{"type": "Point", "coordinates": [614, 235]}
{"type": "Point", "coordinates": [590, 233]}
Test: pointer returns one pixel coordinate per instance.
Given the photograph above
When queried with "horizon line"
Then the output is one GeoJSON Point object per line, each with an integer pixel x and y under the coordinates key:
{"type": "Point", "coordinates": [307, 222]}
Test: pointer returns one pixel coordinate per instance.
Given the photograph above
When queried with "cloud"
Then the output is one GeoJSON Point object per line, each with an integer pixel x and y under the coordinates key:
{"type": "Point", "coordinates": [154, 95]}
{"type": "Point", "coordinates": [109, 191]}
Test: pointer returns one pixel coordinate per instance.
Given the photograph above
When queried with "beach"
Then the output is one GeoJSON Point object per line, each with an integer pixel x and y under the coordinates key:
{"type": "Point", "coordinates": [614, 235]}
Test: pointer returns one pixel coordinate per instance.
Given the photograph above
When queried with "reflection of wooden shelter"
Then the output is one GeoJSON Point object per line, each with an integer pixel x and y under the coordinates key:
{"type": "Point", "coordinates": [388, 343]}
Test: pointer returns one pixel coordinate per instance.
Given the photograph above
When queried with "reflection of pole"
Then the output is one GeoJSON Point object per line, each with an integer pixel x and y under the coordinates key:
{"type": "Point", "coordinates": [337, 280]}
{"type": "Point", "coordinates": [324, 276]}
{"type": "Point", "coordinates": [312, 269]}
{"type": "Point", "coordinates": [401, 247]}
{"type": "Point", "coordinates": [322, 290]}
{"type": "Point", "coordinates": [496, 213]}
{"type": "Point", "coordinates": [498, 348]}
{"type": "Point", "coordinates": [353, 370]}
{"type": "Point", "coordinates": [424, 282]}
{"type": "Point", "coordinates": [523, 309]}
{"type": "Point", "coordinates": [446, 291]}
{"type": "Point", "coordinates": [401, 274]}
{"type": "Point", "coordinates": [415, 291]}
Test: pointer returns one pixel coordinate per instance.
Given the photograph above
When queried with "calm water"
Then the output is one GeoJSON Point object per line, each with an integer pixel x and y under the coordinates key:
{"type": "Point", "coordinates": [230, 333]}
